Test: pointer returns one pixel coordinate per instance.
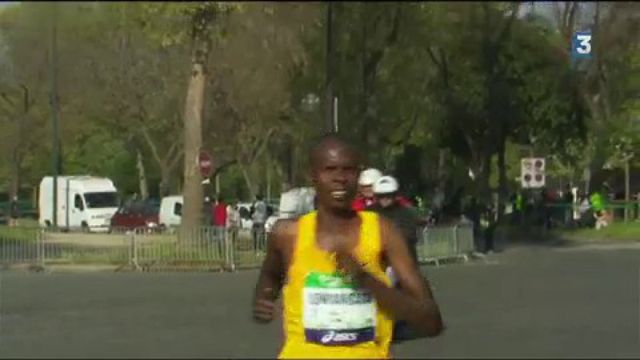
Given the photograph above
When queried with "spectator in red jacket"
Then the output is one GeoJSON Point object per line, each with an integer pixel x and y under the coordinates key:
{"type": "Point", "coordinates": [219, 213]}
{"type": "Point", "coordinates": [366, 197]}
{"type": "Point", "coordinates": [403, 201]}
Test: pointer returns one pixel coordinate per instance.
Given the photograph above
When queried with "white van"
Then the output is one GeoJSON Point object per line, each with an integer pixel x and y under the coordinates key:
{"type": "Point", "coordinates": [84, 202]}
{"type": "Point", "coordinates": [170, 211]}
{"type": "Point", "coordinates": [293, 203]}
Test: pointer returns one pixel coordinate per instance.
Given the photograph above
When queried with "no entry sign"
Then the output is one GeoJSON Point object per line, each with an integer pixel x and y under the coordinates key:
{"type": "Point", "coordinates": [205, 164]}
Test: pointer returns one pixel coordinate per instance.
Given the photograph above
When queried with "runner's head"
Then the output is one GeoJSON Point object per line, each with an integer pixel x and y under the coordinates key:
{"type": "Point", "coordinates": [386, 189]}
{"type": "Point", "coordinates": [334, 171]}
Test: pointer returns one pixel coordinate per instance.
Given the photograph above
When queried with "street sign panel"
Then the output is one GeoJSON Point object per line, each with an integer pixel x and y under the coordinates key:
{"type": "Point", "coordinates": [205, 164]}
{"type": "Point", "coordinates": [532, 172]}
{"type": "Point", "coordinates": [581, 45]}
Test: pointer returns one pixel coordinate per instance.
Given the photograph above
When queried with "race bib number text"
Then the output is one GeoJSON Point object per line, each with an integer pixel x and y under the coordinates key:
{"type": "Point", "coordinates": [335, 312]}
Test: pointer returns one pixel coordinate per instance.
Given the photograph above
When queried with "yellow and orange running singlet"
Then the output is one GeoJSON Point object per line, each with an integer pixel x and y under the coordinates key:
{"type": "Point", "coordinates": [325, 315]}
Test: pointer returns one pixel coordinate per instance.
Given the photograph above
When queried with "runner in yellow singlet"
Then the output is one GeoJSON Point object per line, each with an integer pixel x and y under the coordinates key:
{"type": "Point", "coordinates": [329, 265]}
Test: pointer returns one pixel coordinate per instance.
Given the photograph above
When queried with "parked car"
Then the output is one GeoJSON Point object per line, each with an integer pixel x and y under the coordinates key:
{"type": "Point", "coordinates": [136, 215]}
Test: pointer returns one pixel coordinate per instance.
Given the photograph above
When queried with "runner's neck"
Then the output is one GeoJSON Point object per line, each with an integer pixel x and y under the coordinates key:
{"type": "Point", "coordinates": [335, 217]}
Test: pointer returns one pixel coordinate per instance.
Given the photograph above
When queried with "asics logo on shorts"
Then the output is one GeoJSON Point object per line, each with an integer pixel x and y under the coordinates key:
{"type": "Point", "coordinates": [333, 336]}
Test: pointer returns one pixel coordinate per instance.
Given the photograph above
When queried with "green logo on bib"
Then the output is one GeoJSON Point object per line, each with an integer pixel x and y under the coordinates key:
{"type": "Point", "coordinates": [328, 281]}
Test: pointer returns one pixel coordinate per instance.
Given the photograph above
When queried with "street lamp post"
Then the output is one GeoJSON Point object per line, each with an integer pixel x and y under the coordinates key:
{"type": "Point", "coordinates": [54, 111]}
{"type": "Point", "coordinates": [329, 98]}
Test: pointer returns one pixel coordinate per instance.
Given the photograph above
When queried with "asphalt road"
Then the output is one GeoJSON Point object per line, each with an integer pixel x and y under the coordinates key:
{"type": "Point", "coordinates": [524, 302]}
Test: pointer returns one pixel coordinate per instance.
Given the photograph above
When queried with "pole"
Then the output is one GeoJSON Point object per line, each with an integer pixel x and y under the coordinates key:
{"type": "Point", "coordinates": [329, 69]}
{"type": "Point", "coordinates": [54, 111]}
{"type": "Point", "coordinates": [627, 190]}
{"type": "Point", "coordinates": [335, 114]}
{"type": "Point", "coordinates": [268, 180]}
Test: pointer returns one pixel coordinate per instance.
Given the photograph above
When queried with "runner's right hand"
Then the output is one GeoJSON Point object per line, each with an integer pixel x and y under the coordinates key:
{"type": "Point", "coordinates": [264, 308]}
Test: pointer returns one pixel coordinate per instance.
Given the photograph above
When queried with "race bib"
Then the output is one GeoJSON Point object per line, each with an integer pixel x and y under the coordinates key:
{"type": "Point", "coordinates": [335, 312]}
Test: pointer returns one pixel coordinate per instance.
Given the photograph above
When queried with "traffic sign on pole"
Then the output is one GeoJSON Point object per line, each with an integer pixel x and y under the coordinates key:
{"type": "Point", "coordinates": [205, 164]}
{"type": "Point", "coordinates": [532, 172]}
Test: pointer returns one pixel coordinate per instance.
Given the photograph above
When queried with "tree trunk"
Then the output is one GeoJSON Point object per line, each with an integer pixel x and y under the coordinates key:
{"type": "Point", "coordinates": [442, 156]}
{"type": "Point", "coordinates": [194, 105]}
{"type": "Point", "coordinates": [142, 176]}
{"type": "Point", "coordinates": [15, 173]}
{"type": "Point", "coordinates": [587, 180]}
{"type": "Point", "coordinates": [247, 180]}
{"type": "Point", "coordinates": [17, 149]}
{"type": "Point", "coordinates": [16, 159]}
{"type": "Point", "coordinates": [165, 181]}
{"type": "Point", "coordinates": [268, 162]}
{"type": "Point", "coordinates": [286, 161]}
{"type": "Point", "coordinates": [502, 181]}
{"type": "Point", "coordinates": [477, 165]}
{"type": "Point", "coordinates": [482, 177]}
{"type": "Point", "coordinates": [627, 190]}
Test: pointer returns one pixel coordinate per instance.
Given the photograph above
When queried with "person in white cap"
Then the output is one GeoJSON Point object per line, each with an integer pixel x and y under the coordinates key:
{"type": "Point", "coordinates": [404, 219]}
{"type": "Point", "coordinates": [387, 204]}
{"type": "Point", "coordinates": [366, 198]}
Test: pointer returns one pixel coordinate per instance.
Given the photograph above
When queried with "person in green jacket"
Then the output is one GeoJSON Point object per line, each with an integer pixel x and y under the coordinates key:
{"type": "Point", "coordinates": [597, 203]}
{"type": "Point", "coordinates": [518, 207]}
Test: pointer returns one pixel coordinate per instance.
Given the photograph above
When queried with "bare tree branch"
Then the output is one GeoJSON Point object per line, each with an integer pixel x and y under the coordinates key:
{"type": "Point", "coordinates": [176, 158]}
{"type": "Point", "coordinates": [151, 144]}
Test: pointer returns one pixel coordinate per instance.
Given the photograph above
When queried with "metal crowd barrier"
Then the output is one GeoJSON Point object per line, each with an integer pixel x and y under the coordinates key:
{"type": "Point", "coordinates": [441, 243]}
{"type": "Point", "coordinates": [20, 246]}
{"type": "Point", "coordinates": [211, 248]}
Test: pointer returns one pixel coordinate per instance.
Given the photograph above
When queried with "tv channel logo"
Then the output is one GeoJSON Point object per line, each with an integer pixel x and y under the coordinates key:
{"type": "Point", "coordinates": [581, 45]}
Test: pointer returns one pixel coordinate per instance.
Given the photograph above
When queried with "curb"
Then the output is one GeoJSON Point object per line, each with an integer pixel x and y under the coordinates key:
{"type": "Point", "coordinates": [61, 268]}
{"type": "Point", "coordinates": [83, 268]}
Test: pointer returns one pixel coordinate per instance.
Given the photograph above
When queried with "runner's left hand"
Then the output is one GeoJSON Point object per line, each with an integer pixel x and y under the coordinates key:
{"type": "Point", "coordinates": [348, 264]}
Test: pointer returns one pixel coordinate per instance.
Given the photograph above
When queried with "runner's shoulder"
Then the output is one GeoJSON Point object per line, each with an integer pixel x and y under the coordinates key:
{"type": "Point", "coordinates": [284, 230]}
{"type": "Point", "coordinates": [388, 230]}
{"type": "Point", "coordinates": [385, 223]}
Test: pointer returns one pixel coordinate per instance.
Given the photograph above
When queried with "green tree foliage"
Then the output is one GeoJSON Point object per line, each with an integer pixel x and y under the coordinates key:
{"type": "Point", "coordinates": [431, 92]}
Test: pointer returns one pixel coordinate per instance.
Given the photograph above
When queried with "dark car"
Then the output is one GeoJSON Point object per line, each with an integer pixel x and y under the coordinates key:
{"type": "Point", "coordinates": [136, 215]}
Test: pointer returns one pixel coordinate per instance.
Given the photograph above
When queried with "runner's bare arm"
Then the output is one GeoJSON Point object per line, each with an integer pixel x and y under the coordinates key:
{"type": "Point", "coordinates": [414, 303]}
{"type": "Point", "coordinates": [271, 276]}
{"type": "Point", "coordinates": [421, 309]}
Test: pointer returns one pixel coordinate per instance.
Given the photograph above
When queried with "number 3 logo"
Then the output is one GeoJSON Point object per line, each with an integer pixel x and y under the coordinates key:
{"type": "Point", "coordinates": [584, 46]}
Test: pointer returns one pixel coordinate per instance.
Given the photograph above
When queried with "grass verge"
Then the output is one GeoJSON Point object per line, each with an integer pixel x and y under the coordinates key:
{"type": "Point", "coordinates": [14, 234]}
{"type": "Point", "coordinates": [616, 232]}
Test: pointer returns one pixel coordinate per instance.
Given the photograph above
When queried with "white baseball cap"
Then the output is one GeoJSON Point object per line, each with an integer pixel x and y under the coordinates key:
{"type": "Point", "coordinates": [369, 176]}
{"type": "Point", "coordinates": [385, 185]}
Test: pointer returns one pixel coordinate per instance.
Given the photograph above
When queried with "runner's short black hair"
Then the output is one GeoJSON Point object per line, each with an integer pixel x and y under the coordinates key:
{"type": "Point", "coordinates": [323, 141]}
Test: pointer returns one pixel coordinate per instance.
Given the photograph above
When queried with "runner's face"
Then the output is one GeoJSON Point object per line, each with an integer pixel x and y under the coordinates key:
{"type": "Point", "coordinates": [335, 177]}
